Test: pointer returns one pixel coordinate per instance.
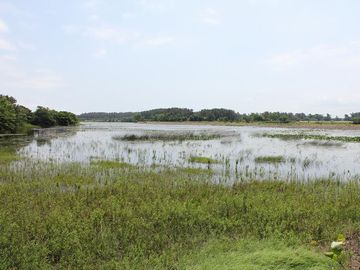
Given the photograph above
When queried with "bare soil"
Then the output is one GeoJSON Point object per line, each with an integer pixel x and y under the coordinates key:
{"type": "Point", "coordinates": [352, 245]}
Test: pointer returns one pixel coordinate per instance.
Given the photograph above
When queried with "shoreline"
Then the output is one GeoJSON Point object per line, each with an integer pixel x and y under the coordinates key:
{"type": "Point", "coordinates": [293, 125]}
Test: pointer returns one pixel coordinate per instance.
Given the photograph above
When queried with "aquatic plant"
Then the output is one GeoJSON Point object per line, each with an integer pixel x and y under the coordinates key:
{"type": "Point", "coordinates": [203, 160]}
{"type": "Point", "coordinates": [302, 136]}
{"type": "Point", "coordinates": [270, 159]}
{"type": "Point", "coordinates": [167, 137]}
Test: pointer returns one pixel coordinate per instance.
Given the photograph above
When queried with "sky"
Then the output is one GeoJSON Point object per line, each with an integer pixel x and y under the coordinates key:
{"type": "Point", "coordinates": [134, 55]}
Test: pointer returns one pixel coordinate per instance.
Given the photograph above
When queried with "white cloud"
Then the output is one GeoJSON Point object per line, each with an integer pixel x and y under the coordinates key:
{"type": "Point", "coordinates": [91, 4]}
{"type": "Point", "coordinates": [118, 36]}
{"type": "Point", "coordinates": [323, 55]}
{"type": "Point", "coordinates": [43, 80]}
{"type": "Point", "coordinates": [113, 34]}
{"type": "Point", "coordinates": [157, 41]}
{"type": "Point", "coordinates": [6, 45]}
{"type": "Point", "coordinates": [6, 58]}
{"type": "Point", "coordinates": [152, 5]}
{"type": "Point", "coordinates": [210, 16]}
{"type": "Point", "coordinates": [14, 76]}
{"type": "Point", "coordinates": [101, 52]}
{"type": "Point", "coordinates": [128, 15]}
{"type": "Point", "coordinates": [3, 27]}
{"type": "Point", "coordinates": [92, 8]}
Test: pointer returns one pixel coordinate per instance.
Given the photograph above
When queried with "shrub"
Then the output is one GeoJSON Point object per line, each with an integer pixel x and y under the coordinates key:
{"type": "Point", "coordinates": [356, 120]}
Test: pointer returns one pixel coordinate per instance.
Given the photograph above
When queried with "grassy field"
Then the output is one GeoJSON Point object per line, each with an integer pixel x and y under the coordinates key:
{"type": "Point", "coordinates": [109, 215]}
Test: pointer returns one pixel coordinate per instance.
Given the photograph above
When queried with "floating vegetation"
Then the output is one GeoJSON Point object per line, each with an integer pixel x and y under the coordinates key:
{"type": "Point", "coordinates": [301, 136]}
{"type": "Point", "coordinates": [167, 137]}
{"type": "Point", "coordinates": [203, 160]}
{"type": "Point", "coordinates": [108, 164]}
{"type": "Point", "coordinates": [270, 159]}
{"type": "Point", "coordinates": [324, 143]}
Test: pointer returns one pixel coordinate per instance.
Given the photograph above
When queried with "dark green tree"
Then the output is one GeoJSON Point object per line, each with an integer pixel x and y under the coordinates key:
{"type": "Point", "coordinates": [8, 120]}
{"type": "Point", "coordinates": [44, 117]}
{"type": "Point", "coordinates": [66, 118]}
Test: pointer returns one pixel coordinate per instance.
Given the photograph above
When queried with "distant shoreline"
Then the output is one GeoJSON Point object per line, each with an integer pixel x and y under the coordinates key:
{"type": "Point", "coordinates": [341, 125]}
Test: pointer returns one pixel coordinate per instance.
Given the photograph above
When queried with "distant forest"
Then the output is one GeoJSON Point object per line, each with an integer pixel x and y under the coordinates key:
{"type": "Point", "coordinates": [225, 115]}
{"type": "Point", "coordinates": [15, 118]}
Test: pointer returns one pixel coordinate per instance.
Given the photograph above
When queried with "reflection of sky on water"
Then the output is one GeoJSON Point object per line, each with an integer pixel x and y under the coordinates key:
{"type": "Point", "coordinates": [236, 150]}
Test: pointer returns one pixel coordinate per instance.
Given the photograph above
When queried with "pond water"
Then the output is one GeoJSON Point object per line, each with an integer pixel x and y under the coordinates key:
{"type": "Point", "coordinates": [236, 150]}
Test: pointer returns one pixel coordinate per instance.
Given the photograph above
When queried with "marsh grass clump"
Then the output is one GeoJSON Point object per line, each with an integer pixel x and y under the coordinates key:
{"type": "Point", "coordinates": [270, 159]}
{"type": "Point", "coordinates": [109, 164]}
{"type": "Point", "coordinates": [203, 160]}
{"type": "Point", "coordinates": [168, 137]}
{"type": "Point", "coordinates": [324, 143]}
{"type": "Point", "coordinates": [8, 155]}
{"type": "Point", "coordinates": [302, 136]}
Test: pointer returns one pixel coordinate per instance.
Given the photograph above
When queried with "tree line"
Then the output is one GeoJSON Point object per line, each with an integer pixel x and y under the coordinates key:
{"type": "Point", "coordinates": [15, 118]}
{"type": "Point", "coordinates": [183, 114]}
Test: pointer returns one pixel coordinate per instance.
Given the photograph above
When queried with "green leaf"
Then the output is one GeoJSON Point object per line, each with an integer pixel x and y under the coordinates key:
{"type": "Point", "coordinates": [341, 238]}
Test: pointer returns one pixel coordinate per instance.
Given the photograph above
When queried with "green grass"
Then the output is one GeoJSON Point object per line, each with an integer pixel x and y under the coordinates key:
{"type": "Point", "coordinates": [252, 254]}
{"type": "Point", "coordinates": [203, 160]}
{"type": "Point", "coordinates": [7, 155]}
{"type": "Point", "coordinates": [105, 216]}
{"type": "Point", "coordinates": [302, 136]}
{"type": "Point", "coordinates": [167, 137]}
{"type": "Point", "coordinates": [270, 159]}
{"type": "Point", "coordinates": [109, 164]}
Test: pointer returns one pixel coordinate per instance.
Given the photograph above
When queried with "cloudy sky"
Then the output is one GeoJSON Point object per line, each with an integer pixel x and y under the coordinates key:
{"type": "Point", "coordinates": [132, 55]}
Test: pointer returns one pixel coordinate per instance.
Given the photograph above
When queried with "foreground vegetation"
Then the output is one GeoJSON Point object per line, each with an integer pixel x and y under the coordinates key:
{"type": "Point", "coordinates": [253, 254]}
{"type": "Point", "coordinates": [15, 118]}
{"type": "Point", "coordinates": [107, 215]}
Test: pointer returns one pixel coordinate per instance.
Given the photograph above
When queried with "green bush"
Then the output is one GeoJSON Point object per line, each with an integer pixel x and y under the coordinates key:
{"type": "Point", "coordinates": [356, 120]}
{"type": "Point", "coordinates": [46, 117]}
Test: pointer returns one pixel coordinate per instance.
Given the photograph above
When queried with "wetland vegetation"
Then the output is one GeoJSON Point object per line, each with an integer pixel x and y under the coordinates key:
{"type": "Point", "coordinates": [303, 136]}
{"type": "Point", "coordinates": [203, 160]}
{"type": "Point", "coordinates": [168, 137]}
{"type": "Point", "coordinates": [108, 215]}
{"type": "Point", "coordinates": [270, 159]}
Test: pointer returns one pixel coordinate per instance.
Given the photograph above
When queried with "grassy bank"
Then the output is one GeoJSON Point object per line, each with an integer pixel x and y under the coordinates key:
{"type": "Point", "coordinates": [104, 216]}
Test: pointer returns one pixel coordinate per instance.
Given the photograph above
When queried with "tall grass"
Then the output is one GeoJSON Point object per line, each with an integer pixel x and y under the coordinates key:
{"type": "Point", "coordinates": [102, 216]}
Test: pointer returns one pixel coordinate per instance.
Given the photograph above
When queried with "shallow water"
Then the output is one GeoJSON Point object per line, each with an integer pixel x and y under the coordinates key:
{"type": "Point", "coordinates": [236, 150]}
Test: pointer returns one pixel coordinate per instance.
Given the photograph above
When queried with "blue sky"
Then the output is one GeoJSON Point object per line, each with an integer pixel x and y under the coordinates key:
{"type": "Point", "coordinates": [133, 55]}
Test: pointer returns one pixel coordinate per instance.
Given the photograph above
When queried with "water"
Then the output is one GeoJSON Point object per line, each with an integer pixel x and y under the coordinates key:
{"type": "Point", "coordinates": [236, 150]}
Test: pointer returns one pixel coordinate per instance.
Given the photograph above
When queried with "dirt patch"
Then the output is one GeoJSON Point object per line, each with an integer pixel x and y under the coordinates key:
{"type": "Point", "coordinates": [352, 245]}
